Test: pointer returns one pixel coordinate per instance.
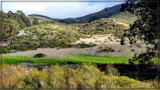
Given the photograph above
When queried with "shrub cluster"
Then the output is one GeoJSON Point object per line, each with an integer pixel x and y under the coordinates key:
{"type": "Point", "coordinates": [101, 26]}
{"type": "Point", "coordinates": [45, 35]}
{"type": "Point", "coordinates": [11, 75]}
{"type": "Point", "coordinates": [106, 49]}
{"type": "Point", "coordinates": [84, 45]}
{"type": "Point", "coordinates": [86, 76]}
{"type": "Point", "coordinates": [4, 49]}
{"type": "Point", "coordinates": [38, 55]}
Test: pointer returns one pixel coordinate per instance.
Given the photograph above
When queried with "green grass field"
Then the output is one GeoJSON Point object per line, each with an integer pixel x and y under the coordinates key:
{"type": "Point", "coordinates": [76, 59]}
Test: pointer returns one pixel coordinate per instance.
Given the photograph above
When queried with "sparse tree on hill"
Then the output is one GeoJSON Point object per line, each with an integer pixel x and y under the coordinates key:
{"type": "Point", "coordinates": [35, 21]}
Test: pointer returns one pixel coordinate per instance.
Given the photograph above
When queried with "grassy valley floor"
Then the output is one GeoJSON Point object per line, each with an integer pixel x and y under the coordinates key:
{"type": "Point", "coordinates": [79, 59]}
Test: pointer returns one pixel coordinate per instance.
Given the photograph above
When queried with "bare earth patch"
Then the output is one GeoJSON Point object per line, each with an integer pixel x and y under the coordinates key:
{"type": "Point", "coordinates": [100, 40]}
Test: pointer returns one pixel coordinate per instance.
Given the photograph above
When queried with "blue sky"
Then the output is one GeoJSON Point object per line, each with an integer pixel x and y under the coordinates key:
{"type": "Point", "coordinates": [57, 9]}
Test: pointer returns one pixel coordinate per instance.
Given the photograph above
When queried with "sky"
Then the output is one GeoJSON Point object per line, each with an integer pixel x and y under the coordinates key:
{"type": "Point", "coordinates": [58, 10]}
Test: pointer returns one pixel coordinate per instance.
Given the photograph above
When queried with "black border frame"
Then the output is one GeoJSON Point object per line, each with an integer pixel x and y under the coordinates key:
{"type": "Point", "coordinates": [158, 33]}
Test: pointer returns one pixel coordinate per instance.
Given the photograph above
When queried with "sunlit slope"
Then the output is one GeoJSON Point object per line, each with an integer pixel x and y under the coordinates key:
{"type": "Point", "coordinates": [124, 17]}
{"type": "Point", "coordinates": [62, 35]}
{"type": "Point", "coordinates": [41, 20]}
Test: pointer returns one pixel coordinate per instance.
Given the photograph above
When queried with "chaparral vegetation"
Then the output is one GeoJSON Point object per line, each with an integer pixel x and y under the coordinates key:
{"type": "Point", "coordinates": [116, 47]}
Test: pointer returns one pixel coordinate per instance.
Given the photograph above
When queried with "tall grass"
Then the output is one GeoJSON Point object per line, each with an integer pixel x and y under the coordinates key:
{"type": "Point", "coordinates": [79, 59]}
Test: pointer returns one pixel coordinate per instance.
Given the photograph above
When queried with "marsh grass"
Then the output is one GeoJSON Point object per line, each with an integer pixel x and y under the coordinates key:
{"type": "Point", "coordinates": [79, 59]}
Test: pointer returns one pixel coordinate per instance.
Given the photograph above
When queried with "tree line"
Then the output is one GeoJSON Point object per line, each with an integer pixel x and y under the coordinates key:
{"type": "Point", "coordinates": [11, 23]}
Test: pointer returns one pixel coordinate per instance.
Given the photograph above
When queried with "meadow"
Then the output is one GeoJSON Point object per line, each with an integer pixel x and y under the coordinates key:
{"type": "Point", "coordinates": [45, 54]}
{"type": "Point", "coordinates": [79, 59]}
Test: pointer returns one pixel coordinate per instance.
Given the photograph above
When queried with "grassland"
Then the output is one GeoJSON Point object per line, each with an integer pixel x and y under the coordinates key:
{"type": "Point", "coordinates": [59, 35]}
{"type": "Point", "coordinates": [79, 59]}
{"type": "Point", "coordinates": [125, 17]}
{"type": "Point", "coordinates": [41, 20]}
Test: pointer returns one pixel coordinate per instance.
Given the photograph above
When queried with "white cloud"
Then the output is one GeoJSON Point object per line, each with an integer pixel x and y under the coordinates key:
{"type": "Point", "coordinates": [24, 6]}
{"type": "Point", "coordinates": [57, 9]}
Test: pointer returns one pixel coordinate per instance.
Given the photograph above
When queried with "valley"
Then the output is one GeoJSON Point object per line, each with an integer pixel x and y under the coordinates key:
{"type": "Point", "coordinates": [97, 50]}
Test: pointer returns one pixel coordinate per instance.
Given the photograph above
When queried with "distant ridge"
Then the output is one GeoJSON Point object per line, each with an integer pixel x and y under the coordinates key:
{"type": "Point", "coordinates": [40, 16]}
{"type": "Point", "coordinates": [105, 13]}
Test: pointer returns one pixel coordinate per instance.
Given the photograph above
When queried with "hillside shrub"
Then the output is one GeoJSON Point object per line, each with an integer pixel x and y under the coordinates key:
{"type": "Point", "coordinates": [84, 45]}
{"type": "Point", "coordinates": [38, 55]}
{"type": "Point", "coordinates": [106, 49]}
{"type": "Point", "coordinates": [4, 49]}
{"type": "Point", "coordinates": [11, 75]}
{"type": "Point", "coordinates": [111, 70]}
{"type": "Point", "coordinates": [139, 46]}
{"type": "Point", "coordinates": [122, 42]}
{"type": "Point", "coordinates": [87, 76]}
{"type": "Point", "coordinates": [132, 50]}
{"type": "Point", "coordinates": [35, 79]}
{"type": "Point", "coordinates": [56, 76]}
{"type": "Point", "coordinates": [142, 59]}
{"type": "Point", "coordinates": [120, 82]}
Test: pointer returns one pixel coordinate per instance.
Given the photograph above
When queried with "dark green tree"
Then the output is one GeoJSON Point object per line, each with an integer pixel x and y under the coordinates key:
{"type": "Point", "coordinates": [9, 26]}
{"type": "Point", "coordinates": [20, 21]}
{"type": "Point", "coordinates": [35, 21]}
{"type": "Point", "coordinates": [144, 28]}
{"type": "Point", "coordinates": [24, 18]}
{"type": "Point", "coordinates": [11, 15]}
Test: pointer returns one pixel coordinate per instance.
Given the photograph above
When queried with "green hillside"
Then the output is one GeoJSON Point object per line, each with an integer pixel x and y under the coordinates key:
{"type": "Point", "coordinates": [13, 22]}
{"type": "Point", "coordinates": [102, 26]}
{"type": "Point", "coordinates": [124, 17]}
{"type": "Point", "coordinates": [61, 35]}
{"type": "Point", "coordinates": [41, 20]}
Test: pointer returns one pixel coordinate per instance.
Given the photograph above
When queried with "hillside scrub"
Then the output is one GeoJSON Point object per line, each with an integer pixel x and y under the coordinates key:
{"type": "Point", "coordinates": [102, 26]}
{"type": "Point", "coordinates": [46, 35]}
{"type": "Point", "coordinates": [41, 20]}
{"type": "Point", "coordinates": [12, 75]}
{"type": "Point", "coordinates": [125, 17]}
{"type": "Point", "coordinates": [62, 35]}
{"type": "Point", "coordinates": [12, 23]}
{"type": "Point", "coordinates": [86, 76]}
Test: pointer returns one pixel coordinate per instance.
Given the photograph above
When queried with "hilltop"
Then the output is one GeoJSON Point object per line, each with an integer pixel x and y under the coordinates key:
{"type": "Point", "coordinates": [105, 13]}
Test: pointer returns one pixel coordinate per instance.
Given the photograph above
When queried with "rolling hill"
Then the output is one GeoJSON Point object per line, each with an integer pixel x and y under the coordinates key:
{"type": "Point", "coordinates": [105, 13]}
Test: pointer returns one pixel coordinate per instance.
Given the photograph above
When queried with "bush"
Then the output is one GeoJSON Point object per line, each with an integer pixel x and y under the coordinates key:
{"type": "Point", "coordinates": [84, 45]}
{"type": "Point", "coordinates": [139, 46]}
{"type": "Point", "coordinates": [132, 50]}
{"type": "Point", "coordinates": [39, 55]}
{"type": "Point", "coordinates": [122, 42]}
{"type": "Point", "coordinates": [4, 49]}
{"type": "Point", "coordinates": [57, 76]}
{"type": "Point", "coordinates": [154, 83]}
{"type": "Point", "coordinates": [106, 49]}
{"type": "Point", "coordinates": [86, 76]}
{"type": "Point", "coordinates": [125, 82]}
{"type": "Point", "coordinates": [34, 79]}
{"type": "Point", "coordinates": [142, 59]}
{"type": "Point", "coordinates": [111, 70]}
{"type": "Point", "coordinates": [119, 82]}
{"type": "Point", "coordinates": [53, 77]}
{"type": "Point", "coordinates": [107, 81]}
{"type": "Point", "coordinates": [12, 75]}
